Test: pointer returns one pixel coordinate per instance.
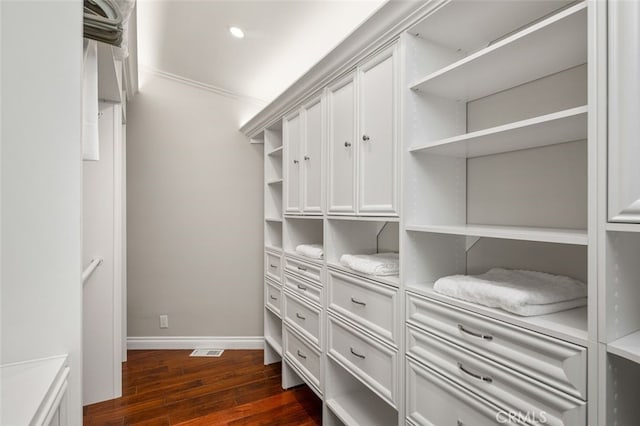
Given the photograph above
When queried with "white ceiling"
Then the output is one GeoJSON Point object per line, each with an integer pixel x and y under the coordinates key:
{"type": "Point", "coordinates": [283, 39]}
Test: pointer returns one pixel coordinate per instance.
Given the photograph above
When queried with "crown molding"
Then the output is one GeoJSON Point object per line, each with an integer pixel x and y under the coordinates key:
{"type": "Point", "coordinates": [381, 29]}
{"type": "Point", "coordinates": [200, 85]}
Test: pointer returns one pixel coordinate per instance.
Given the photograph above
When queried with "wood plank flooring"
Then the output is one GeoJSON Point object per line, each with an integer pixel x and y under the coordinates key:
{"type": "Point", "coordinates": [171, 388]}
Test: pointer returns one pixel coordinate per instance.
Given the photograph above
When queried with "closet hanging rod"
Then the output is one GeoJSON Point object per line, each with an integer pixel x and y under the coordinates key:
{"type": "Point", "coordinates": [95, 262]}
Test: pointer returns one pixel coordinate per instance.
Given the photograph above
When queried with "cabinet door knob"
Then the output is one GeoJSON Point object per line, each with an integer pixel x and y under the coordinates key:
{"type": "Point", "coordinates": [306, 157]}
{"type": "Point", "coordinates": [347, 144]}
{"type": "Point", "coordinates": [365, 138]}
{"type": "Point", "coordinates": [295, 161]}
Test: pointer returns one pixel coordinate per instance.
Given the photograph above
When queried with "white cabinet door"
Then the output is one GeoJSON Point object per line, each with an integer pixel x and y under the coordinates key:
{"type": "Point", "coordinates": [378, 142]}
{"type": "Point", "coordinates": [292, 134]}
{"type": "Point", "coordinates": [311, 158]}
{"type": "Point", "coordinates": [624, 111]}
{"type": "Point", "coordinates": [341, 144]}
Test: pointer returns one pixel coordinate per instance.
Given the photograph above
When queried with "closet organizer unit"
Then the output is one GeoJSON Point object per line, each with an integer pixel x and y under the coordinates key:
{"type": "Point", "coordinates": [496, 176]}
{"type": "Point", "coordinates": [463, 140]}
{"type": "Point", "coordinates": [620, 237]}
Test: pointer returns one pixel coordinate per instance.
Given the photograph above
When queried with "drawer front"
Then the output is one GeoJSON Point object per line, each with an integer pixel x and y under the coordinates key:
{"type": "Point", "coordinates": [552, 361]}
{"type": "Point", "coordinates": [303, 356]}
{"type": "Point", "coordinates": [273, 266]}
{"type": "Point", "coordinates": [273, 296]}
{"type": "Point", "coordinates": [303, 288]}
{"type": "Point", "coordinates": [498, 384]}
{"type": "Point", "coordinates": [372, 305]}
{"type": "Point", "coordinates": [305, 269]}
{"type": "Point", "coordinates": [435, 400]}
{"type": "Point", "coordinates": [303, 317]}
{"type": "Point", "coordinates": [370, 360]}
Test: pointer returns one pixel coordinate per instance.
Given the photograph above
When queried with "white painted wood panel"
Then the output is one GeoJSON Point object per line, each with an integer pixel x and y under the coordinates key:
{"type": "Point", "coordinates": [311, 157]}
{"type": "Point", "coordinates": [624, 111]}
{"type": "Point", "coordinates": [292, 135]}
{"type": "Point", "coordinates": [378, 144]}
{"type": "Point", "coordinates": [342, 145]}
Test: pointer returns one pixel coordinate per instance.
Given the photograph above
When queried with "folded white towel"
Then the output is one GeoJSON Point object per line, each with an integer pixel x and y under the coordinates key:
{"type": "Point", "coordinates": [381, 264]}
{"type": "Point", "coordinates": [314, 251]}
{"type": "Point", "coordinates": [525, 293]}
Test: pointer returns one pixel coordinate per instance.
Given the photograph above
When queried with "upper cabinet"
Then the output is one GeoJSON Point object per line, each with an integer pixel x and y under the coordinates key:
{"type": "Point", "coordinates": [292, 140]}
{"type": "Point", "coordinates": [303, 156]}
{"type": "Point", "coordinates": [363, 140]}
{"type": "Point", "coordinates": [624, 111]}
{"type": "Point", "coordinates": [378, 152]}
{"type": "Point", "coordinates": [342, 144]}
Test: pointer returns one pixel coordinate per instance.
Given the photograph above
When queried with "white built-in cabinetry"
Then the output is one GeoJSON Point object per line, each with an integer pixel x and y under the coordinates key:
{"type": "Point", "coordinates": [363, 148]}
{"type": "Point", "coordinates": [303, 157]}
{"type": "Point", "coordinates": [503, 134]}
{"type": "Point", "coordinates": [624, 110]}
{"type": "Point", "coordinates": [619, 243]}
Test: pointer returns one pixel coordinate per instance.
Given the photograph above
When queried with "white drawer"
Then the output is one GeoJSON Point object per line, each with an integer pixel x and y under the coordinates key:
{"type": "Point", "coordinates": [501, 385]}
{"type": "Point", "coordinates": [372, 305]}
{"type": "Point", "coordinates": [272, 296]}
{"type": "Point", "coordinates": [435, 400]}
{"type": "Point", "coordinates": [303, 356]}
{"type": "Point", "coordinates": [368, 359]}
{"type": "Point", "coordinates": [303, 317]}
{"type": "Point", "coordinates": [305, 269]}
{"type": "Point", "coordinates": [555, 362]}
{"type": "Point", "coordinates": [273, 266]}
{"type": "Point", "coordinates": [303, 288]}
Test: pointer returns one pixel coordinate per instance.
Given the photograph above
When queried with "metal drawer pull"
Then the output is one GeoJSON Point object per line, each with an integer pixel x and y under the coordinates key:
{"type": "Point", "coordinates": [365, 138]}
{"type": "Point", "coordinates": [273, 266]}
{"type": "Point", "coordinates": [300, 316]}
{"type": "Point", "coordinates": [306, 157]}
{"type": "Point", "coordinates": [357, 302]}
{"type": "Point", "coordinates": [301, 355]}
{"type": "Point", "coordinates": [357, 354]}
{"type": "Point", "coordinates": [459, 423]}
{"type": "Point", "coordinates": [347, 144]}
{"type": "Point", "coordinates": [295, 161]}
{"type": "Point", "coordinates": [302, 268]}
{"type": "Point", "coordinates": [301, 287]}
{"type": "Point", "coordinates": [272, 297]}
{"type": "Point", "coordinates": [487, 337]}
{"type": "Point", "coordinates": [486, 379]}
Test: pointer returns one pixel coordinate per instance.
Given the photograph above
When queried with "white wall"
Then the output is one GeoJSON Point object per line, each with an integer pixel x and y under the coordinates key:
{"type": "Point", "coordinates": [194, 220]}
{"type": "Point", "coordinates": [41, 185]}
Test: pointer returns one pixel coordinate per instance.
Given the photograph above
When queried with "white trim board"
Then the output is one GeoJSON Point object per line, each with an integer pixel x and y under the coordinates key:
{"type": "Point", "coordinates": [200, 85]}
{"type": "Point", "coordinates": [195, 342]}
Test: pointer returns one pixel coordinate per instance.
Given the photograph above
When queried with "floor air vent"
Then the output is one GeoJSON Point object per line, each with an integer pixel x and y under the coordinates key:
{"type": "Point", "coordinates": [207, 352]}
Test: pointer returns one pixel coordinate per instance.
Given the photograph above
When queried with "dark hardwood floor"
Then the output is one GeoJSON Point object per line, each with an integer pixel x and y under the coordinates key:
{"type": "Point", "coordinates": [170, 388]}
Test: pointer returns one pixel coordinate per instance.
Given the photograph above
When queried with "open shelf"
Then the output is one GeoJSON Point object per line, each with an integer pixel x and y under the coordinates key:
{"type": "Point", "coordinates": [273, 330]}
{"type": "Point", "coordinates": [353, 403]}
{"type": "Point", "coordinates": [621, 392]}
{"type": "Point", "coordinates": [470, 26]}
{"type": "Point", "coordinates": [569, 325]}
{"type": "Point", "coordinates": [560, 42]}
{"type": "Point", "coordinates": [275, 152]}
{"type": "Point", "coordinates": [627, 347]}
{"type": "Point", "coordinates": [549, 129]}
{"type": "Point", "coordinates": [522, 233]}
{"type": "Point", "coordinates": [298, 230]}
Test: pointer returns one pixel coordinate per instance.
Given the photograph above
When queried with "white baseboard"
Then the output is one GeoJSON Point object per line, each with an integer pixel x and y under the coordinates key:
{"type": "Point", "coordinates": [195, 342]}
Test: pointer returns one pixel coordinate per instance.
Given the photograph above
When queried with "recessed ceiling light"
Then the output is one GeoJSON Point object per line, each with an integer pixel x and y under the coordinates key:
{"type": "Point", "coordinates": [236, 32]}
